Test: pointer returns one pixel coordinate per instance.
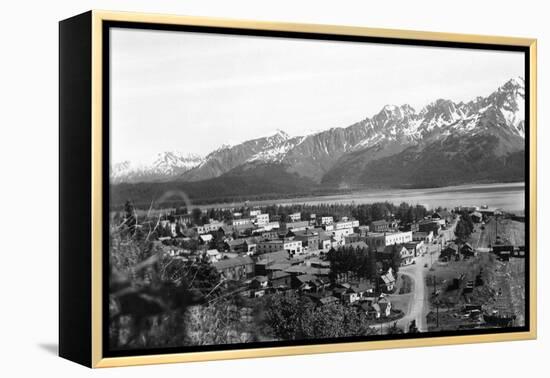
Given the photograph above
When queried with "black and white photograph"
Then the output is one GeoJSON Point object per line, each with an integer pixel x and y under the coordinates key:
{"type": "Point", "coordinates": [270, 190]}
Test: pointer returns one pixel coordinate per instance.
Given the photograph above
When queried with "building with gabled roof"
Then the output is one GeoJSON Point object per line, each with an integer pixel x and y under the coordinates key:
{"type": "Point", "coordinates": [387, 281]}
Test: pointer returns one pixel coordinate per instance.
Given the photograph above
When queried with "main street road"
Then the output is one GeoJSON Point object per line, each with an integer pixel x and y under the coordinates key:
{"type": "Point", "coordinates": [419, 304]}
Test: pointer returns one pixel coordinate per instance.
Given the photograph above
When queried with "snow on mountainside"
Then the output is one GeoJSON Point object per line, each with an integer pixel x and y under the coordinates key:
{"type": "Point", "coordinates": [165, 165]}
{"type": "Point", "coordinates": [388, 133]}
{"type": "Point", "coordinates": [482, 140]}
{"type": "Point", "coordinates": [224, 159]}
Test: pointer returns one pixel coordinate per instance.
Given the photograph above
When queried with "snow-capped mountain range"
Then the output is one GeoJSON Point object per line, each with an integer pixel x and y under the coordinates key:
{"type": "Point", "coordinates": [165, 165]}
{"type": "Point", "coordinates": [352, 155]}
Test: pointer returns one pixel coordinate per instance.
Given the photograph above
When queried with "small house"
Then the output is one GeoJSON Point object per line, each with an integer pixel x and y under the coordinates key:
{"type": "Point", "coordinates": [449, 252]}
{"type": "Point", "coordinates": [387, 281]}
{"type": "Point", "coordinates": [467, 250]}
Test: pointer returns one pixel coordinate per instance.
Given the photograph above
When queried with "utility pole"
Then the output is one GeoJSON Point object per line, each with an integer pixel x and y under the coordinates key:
{"type": "Point", "coordinates": [496, 227]}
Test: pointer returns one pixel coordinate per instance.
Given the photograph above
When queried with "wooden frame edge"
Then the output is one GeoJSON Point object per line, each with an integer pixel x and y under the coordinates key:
{"type": "Point", "coordinates": [98, 16]}
{"type": "Point", "coordinates": [533, 187]}
{"type": "Point", "coordinates": [97, 198]}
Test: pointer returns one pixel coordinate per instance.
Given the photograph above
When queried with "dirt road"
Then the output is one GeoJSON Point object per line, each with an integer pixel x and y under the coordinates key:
{"type": "Point", "coordinates": [417, 304]}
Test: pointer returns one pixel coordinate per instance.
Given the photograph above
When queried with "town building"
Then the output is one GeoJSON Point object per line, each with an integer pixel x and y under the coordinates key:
{"type": "Point", "coordinates": [382, 308]}
{"type": "Point", "coordinates": [267, 259]}
{"type": "Point", "coordinates": [328, 227]}
{"type": "Point", "coordinates": [346, 224]}
{"type": "Point", "coordinates": [250, 245]}
{"type": "Point", "coordinates": [271, 226]}
{"type": "Point", "coordinates": [407, 256]}
{"type": "Point", "coordinates": [268, 235]}
{"type": "Point", "coordinates": [290, 245]}
{"type": "Point", "coordinates": [213, 255]}
{"type": "Point", "coordinates": [236, 269]}
{"type": "Point", "coordinates": [357, 292]}
{"type": "Point", "coordinates": [235, 245]}
{"type": "Point", "coordinates": [380, 226]}
{"type": "Point", "coordinates": [296, 226]}
{"type": "Point", "coordinates": [379, 240]}
{"type": "Point", "coordinates": [205, 238]}
{"type": "Point", "coordinates": [429, 225]}
{"type": "Point", "coordinates": [340, 234]}
{"type": "Point", "coordinates": [426, 236]}
{"type": "Point", "coordinates": [449, 253]}
{"type": "Point", "coordinates": [363, 230]}
{"type": "Point", "coordinates": [241, 222]}
{"type": "Point", "coordinates": [325, 241]}
{"type": "Point", "coordinates": [281, 279]}
{"type": "Point", "coordinates": [295, 217]}
{"type": "Point", "coordinates": [309, 238]}
{"type": "Point", "coordinates": [442, 215]}
{"type": "Point", "coordinates": [327, 220]}
{"type": "Point", "coordinates": [259, 282]}
{"type": "Point", "coordinates": [353, 238]}
{"type": "Point", "coordinates": [409, 227]}
{"type": "Point", "coordinates": [262, 219]}
{"type": "Point", "coordinates": [309, 283]}
{"type": "Point", "coordinates": [387, 281]}
{"type": "Point", "coordinates": [417, 248]}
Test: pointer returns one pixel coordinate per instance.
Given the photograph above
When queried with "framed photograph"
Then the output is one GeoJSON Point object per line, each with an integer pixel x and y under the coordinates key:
{"type": "Point", "coordinates": [234, 189]}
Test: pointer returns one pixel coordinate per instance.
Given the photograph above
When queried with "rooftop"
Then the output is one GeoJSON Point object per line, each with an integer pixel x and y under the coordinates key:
{"type": "Point", "coordinates": [230, 263]}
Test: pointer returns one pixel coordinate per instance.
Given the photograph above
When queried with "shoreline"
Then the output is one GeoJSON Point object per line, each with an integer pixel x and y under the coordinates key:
{"type": "Point", "coordinates": [349, 197]}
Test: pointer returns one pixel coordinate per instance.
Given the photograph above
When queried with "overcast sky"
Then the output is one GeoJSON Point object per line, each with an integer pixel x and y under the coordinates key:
{"type": "Point", "coordinates": [191, 92]}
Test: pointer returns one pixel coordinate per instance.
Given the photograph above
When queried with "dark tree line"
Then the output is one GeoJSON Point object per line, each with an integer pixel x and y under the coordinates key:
{"type": "Point", "coordinates": [464, 227]}
{"type": "Point", "coordinates": [358, 261]}
{"type": "Point", "coordinates": [364, 213]}
{"type": "Point", "coordinates": [296, 317]}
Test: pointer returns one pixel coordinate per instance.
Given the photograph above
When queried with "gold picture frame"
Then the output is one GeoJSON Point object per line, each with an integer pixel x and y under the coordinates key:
{"type": "Point", "coordinates": [91, 24]}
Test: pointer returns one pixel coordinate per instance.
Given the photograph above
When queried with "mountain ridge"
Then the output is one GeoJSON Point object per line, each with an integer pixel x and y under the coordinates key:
{"type": "Point", "coordinates": [390, 132]}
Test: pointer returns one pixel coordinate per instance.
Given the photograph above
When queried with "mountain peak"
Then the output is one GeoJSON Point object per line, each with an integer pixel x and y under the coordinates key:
{"type": "Point", "coordinates": [443, 109]}
{"type": "Point", "coordinates": [281, 134]}
{"type": "Point", "coordinates": [394, 113]}
{"type": "Point", "coordinates": [514, 83]}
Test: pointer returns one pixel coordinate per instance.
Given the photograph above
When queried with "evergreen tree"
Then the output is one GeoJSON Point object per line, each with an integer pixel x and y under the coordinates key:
{"type": "Point", "coordinates": [395, 258]}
